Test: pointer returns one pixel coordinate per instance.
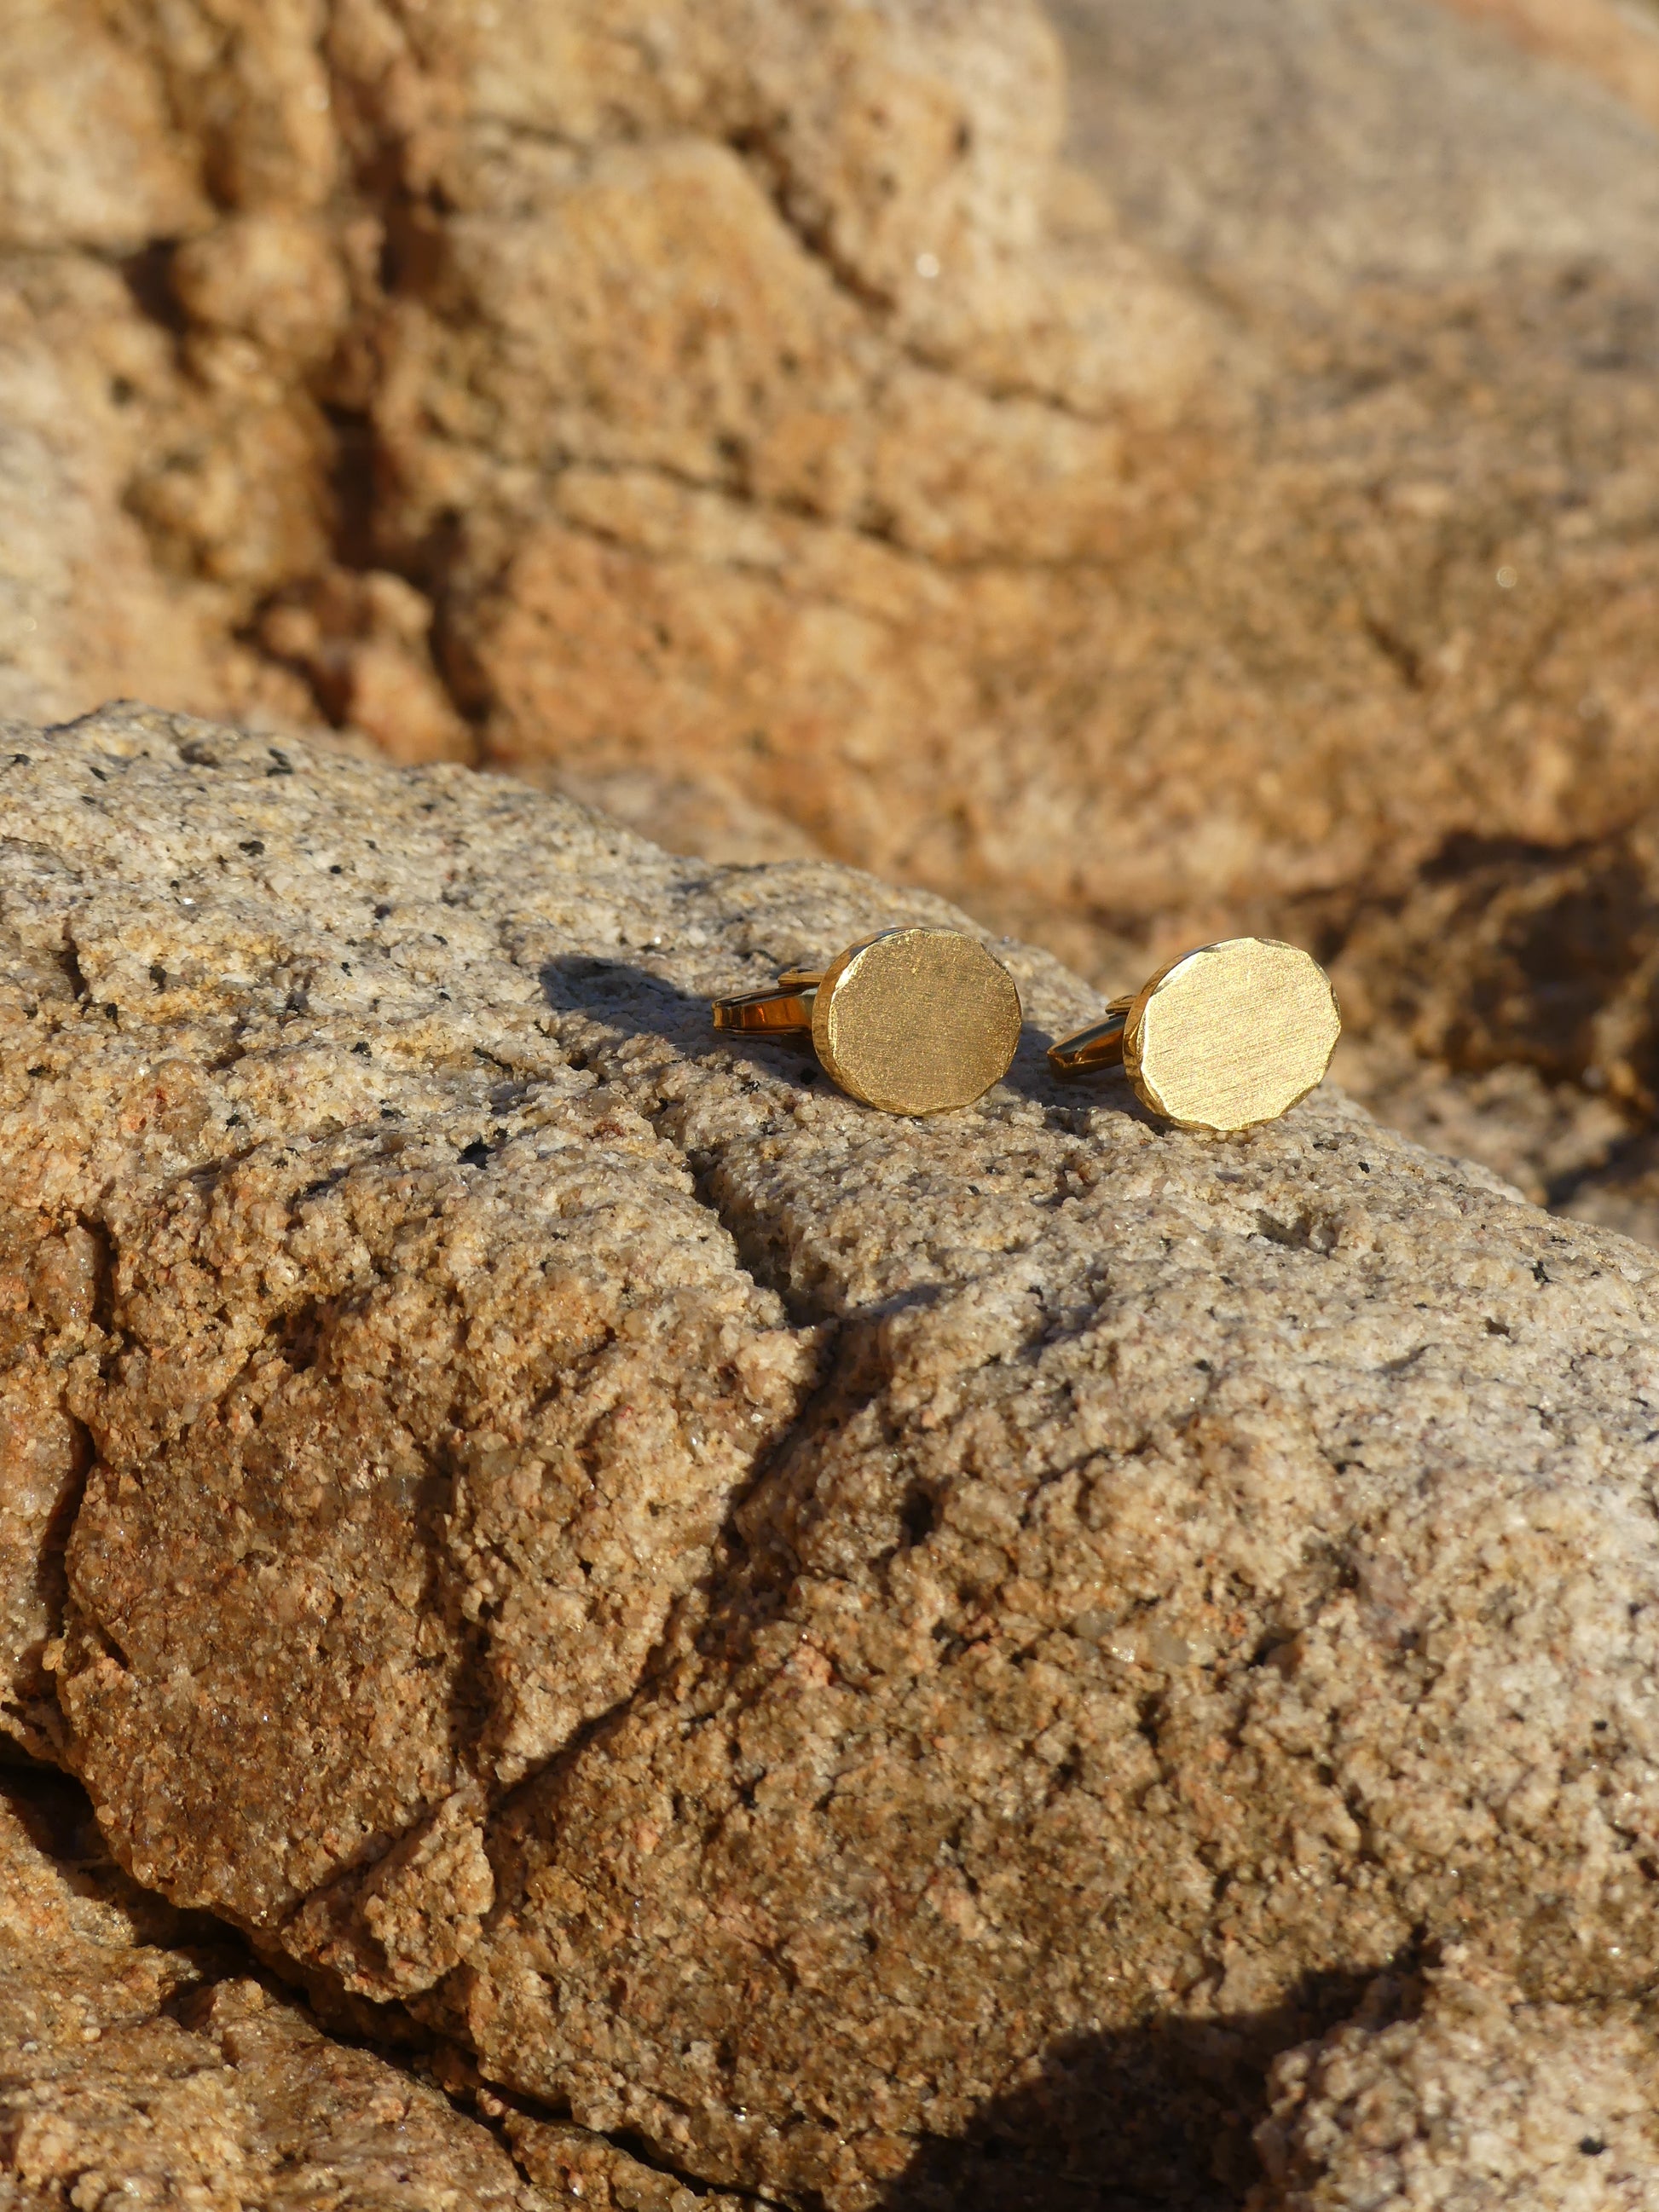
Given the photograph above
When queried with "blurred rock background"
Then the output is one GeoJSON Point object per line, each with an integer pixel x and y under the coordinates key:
{"type": "Point", "coordinates": [1150, 473]}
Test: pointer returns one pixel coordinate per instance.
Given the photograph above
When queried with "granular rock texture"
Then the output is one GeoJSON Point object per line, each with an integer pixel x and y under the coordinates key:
{"type": "Point", "coordinates": [395, 1241]}
{"type": "Point", "coordinates": [872, 1662]}
{"type": "Point", "coordinates": [1529, 971]}
{"type": "Point", "coordinates": [51, 1287]}
{"type": "Point", "coordinates": [550, 1380]}
{"type": "Point", "coordinates": [577, 2167]}
{"type": "Point", "coordinates": [1478, 2101]}
{"type": "Point", "coordinates": [738, 414]}
{"type": "Point", "coordinates": [142, 2063]}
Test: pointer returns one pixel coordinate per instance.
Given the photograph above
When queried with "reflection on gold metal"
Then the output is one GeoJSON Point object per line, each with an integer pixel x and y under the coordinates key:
{"type": "Point", "coordinates": [1230, 1035]}
{"type": "Point", "coordinates": [914, 1021]}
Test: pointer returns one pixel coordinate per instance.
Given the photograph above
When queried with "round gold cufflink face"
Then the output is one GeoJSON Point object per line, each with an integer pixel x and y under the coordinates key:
{"type": "Point", "coordinates": [1227, 1036]}
{"type": "Point", "coordinates": [913, 1021]}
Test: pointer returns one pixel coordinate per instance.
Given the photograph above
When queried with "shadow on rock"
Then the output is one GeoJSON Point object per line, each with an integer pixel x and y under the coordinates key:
{"type": "Point", "coordinates": [629, 1001]}
{"type": "Point", "coordinates": [1105, 1091]}
{"type": "Point", "coordinates": [624, 997]}
{"type": "Point", "coordinates": [1157, 2118]}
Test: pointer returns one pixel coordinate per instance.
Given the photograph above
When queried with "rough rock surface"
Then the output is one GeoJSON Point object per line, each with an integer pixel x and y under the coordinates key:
{"type": "Point", "coordinates": [1531, 972]}
{"type": "Point", "coordinates": [1374, 190]}
{"type": "Point", "coordinates": [342, 284]}
{"type": "Point", "coordinates": [141, 2062]}
{"type": "Point", "coordinates": [1477, 2101]}
{"type": "Point", "coordinates": [1133, 557]}
{"type": "Point", "coordinates": [881, 1662]}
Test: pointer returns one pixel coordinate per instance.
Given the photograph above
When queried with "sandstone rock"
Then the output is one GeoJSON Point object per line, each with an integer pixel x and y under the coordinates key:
{"type": "Point", "coordinates": [936, 591]}
{"type": "Point", "coordinates": [85, 386]}
{"type": "Point", "coordinates": [486, 1346]}
{"type": "Point", "coordinates": [362, 641]}
{"type": "Point", "coordinates": [140, 2062]}
{"type": "Point", "coordinates": [89, 157]}
{"type": "Point", "coordinates": [874, 1661]}
{"type": "Point", "coordinates": [1220, 131]}
{"type": "Point", "coordinates": [350, 218]}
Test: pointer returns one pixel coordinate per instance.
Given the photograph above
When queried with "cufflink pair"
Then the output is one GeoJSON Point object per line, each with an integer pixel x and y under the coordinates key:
{"type": "Point", "coordinates": [921, 1021]}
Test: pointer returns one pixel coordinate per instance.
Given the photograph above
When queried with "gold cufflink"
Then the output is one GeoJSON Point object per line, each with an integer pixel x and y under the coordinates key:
{"type": "Point", "coordinates": [1229, 1036]}
{"type": "Point", "coordinates": [913, 1021]}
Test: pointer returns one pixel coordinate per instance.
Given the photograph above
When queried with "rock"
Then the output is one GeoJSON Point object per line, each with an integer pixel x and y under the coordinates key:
{"type": "Point", "coordinates": [1621, 1192]}
{"type": "Point", "coordinates": [1330, 185]}
{"type": "Point", "coordinates": [1616, 46]}
{"type": "Point", "coordinates": [336, 212]}
{"type": "Point", "coordinates": [877, 1662]}
{"type": "Point", "coordinates": [52, 1280]}
{"type": "Point", "coordinates": [362, 641]}
{"type": "Point", "coordinates": [1207, 541]}
{"type": "Point", "coordinates": [1479, 2099]}
{"type": "Point", "coordinates": [1306, 154]}
{"type": "Point", "coordinates": [142, 2062]}
{"type": "Point", "coordinates": [494, 1287]}
{"type": "Point", "coordinates": [84, 611]}
{"type": "Point", "coordinates": [576, 2167]}
{"type": "Point", "coordinates": [1508, 955]}
{"type": "Point", "coordinates": [1504, 1009]}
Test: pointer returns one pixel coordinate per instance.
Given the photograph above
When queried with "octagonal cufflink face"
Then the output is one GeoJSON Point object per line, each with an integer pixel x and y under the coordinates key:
{"type": "Point", "coordinates": [913, 1021]}
{"type": "Point", "coordinates": [1225, 1037]}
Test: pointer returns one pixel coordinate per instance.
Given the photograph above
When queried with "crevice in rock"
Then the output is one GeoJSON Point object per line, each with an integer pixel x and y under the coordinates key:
{"type": "Point", "coordinates": [69, 959]}
{"type": "Point", "coordinates": [496, 2108]}
{"type": "Point", "coordinates": [62, 1823]}
{"type": "Point", "coordinates": [36, 1722]}
{"type": "Point", "coordinates": [729, 1555]}
{"type": "Point", "coordinates": [148, 275]}
{"type": "Point", "coordinates": [762, 152]}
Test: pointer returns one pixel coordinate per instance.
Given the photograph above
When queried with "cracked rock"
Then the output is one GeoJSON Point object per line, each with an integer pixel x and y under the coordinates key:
{"type": "Point", "coordinates": [395, 1242]}
{"type": "Point", "coordinates": [873, 1662]}
{"type": "Point", "coordinates": [576, 2167]}
{"type": "Point", "coordinates": [143, 2062]}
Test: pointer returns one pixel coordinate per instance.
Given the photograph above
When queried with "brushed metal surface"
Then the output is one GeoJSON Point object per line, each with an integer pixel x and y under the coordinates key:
{"type": "Point", "coordinates": [1231, 1035]}
{"type": "Point", "coordinates": [916, 1021]}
